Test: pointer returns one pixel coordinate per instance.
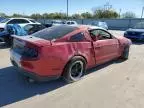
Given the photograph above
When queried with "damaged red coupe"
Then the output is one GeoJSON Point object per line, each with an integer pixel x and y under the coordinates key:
{"type": "Point", "coordinates": [66, 51]}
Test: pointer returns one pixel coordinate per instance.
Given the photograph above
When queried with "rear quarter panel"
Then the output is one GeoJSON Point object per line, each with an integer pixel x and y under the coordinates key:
{"type": "Point", "coordinates": [55, 57]}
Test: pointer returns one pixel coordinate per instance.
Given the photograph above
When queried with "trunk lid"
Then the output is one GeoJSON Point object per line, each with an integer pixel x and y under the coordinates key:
{"type": "Point", "coordinates": [32, 40]}
{"type": "Point", "coordinates": [29, 47]}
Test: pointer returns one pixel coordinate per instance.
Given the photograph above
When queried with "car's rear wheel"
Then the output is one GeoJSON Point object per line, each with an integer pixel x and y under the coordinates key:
{"type": "Point", "coordinates": [74, 70]}
{"type": "Point", "coordinates": [125, 54]}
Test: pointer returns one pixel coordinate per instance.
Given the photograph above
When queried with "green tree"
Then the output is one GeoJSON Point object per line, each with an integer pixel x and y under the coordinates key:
{"type": "Point", "coordinates": [76, 16]}
{"type": "Point", "coordinates": [86, 15]}
{"type": "Point", "coordinates": [36, 16]}
{"type": "Point", "coordinates": [3, 15]}
{"type": "Point", "coordinates": [17, 15]}
{"type": "Point", "coordinates": [103, 13]}
{"type": "Point", "coordinates": [128, 15]}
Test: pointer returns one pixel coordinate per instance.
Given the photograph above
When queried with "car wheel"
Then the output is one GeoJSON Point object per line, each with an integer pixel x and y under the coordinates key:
{"type": "Point", "coordinates": [74, 70]}
{"type": "Point", "coordinates": [125, 54]}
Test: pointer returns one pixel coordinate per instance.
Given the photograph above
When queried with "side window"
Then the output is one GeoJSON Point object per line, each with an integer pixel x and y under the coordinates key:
{"type": "Point", "coordinates": [21, 21]}
{"type": "Point", "coordinates": [94, 33]}
{"type": "Point", "coordinates": [104, 35]}
{"type": "Point", "coordinates": [72, 23]}
{"type": "Point", "coordinates": [18, 21]}
{"type": "Point", "coordinates": [68, 23]}
{"type": "Point", "coordinates": [14, 21]}
{"type": "Point", "coordinates": [77, 37]}
{"type": "Point", "coordinates": [100, 35]}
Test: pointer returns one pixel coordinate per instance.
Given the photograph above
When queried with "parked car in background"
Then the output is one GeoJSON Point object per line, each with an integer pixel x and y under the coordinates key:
{"type": "Point", "coordinates": [135, 33]}
{"type": "Point", "coordinates": [71, 23]}
{"type": "Point", "coordinates": [57, 22]}
{"type": "Point", "coordinates": [16, 29]}
{"type": "Point", "coordinates": [54, 23]}
{"type": "Point", "coordinates": [21, 21]}
{"type": "Point", "coordinates": [66, 51]}
{"type": "Point", "coordinates": [100, 24]}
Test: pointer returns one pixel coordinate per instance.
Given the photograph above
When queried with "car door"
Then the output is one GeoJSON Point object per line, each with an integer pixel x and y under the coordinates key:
{"type": "Point", "coordinates": [83, 46]}
{"type": "Point", "coordinates": [106, 47]}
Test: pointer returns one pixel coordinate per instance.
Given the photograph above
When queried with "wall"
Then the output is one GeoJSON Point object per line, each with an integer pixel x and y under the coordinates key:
{"type": "Point", "coordinates": [116, 24]}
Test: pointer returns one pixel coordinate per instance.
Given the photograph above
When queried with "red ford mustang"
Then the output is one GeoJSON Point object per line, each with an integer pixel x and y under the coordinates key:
{"type": "Point", "coordinates": [66, 51]}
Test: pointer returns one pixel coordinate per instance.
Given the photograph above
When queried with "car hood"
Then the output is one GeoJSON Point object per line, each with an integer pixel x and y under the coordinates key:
{"type": "Point", "coordinates": [2, 25]}
{"type": "Point", "coordinates": [135, 30]}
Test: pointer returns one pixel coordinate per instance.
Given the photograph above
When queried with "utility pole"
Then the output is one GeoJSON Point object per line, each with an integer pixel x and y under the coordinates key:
{"type": "Point", "coordinates": [142, 12]}
{"type": "Point", "coordinates": [107, 6]}
{"type": "Point", "coordinates": [120, 13]}
{"type": "Point", "coordinates": [67, 9]}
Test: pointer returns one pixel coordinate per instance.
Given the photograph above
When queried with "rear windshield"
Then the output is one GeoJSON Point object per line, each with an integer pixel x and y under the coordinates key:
{"type": "Point", "coordinates": [54, 32]}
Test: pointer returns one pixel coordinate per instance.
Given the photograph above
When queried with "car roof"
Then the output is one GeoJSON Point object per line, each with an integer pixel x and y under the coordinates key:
{"type": "Point", "coordinates": [89, 27]}
{"type": "Point", "coordinates": [70, 21]}
{"type": "Point", "coordinates": [22, 18]}
{"type": "Point", "coordinates": [57, 21]}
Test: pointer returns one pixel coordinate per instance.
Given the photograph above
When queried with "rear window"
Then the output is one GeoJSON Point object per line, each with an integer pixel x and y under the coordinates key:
{"type": "Point", "coordinates": [54, 32]}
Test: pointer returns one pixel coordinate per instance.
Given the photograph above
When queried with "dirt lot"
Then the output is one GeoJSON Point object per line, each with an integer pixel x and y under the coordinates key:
{"type": "Point", "coordinates": [113, 85]}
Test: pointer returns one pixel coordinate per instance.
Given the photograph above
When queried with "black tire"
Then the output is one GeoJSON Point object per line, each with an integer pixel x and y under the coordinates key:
{"type": "Point", "coordinates": [71, 73]}
{"type": "Point", "coordinates": [125, 54]}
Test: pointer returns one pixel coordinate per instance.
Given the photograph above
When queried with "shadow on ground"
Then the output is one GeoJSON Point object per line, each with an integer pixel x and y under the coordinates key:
{"type": "Point", "coordinates": [14, 88]}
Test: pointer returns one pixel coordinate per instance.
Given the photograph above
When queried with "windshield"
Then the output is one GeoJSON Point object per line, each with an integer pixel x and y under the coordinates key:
{"type": "Point", "coordinates": [139, 26]}
{"type": "Point", "coordinates": [54, 32]}
{"type": "Point", "coordinates": [5, 20]}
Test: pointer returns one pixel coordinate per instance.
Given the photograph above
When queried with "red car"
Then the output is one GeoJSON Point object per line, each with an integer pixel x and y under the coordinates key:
{"type": "Point", "coordinates": [66, 51]}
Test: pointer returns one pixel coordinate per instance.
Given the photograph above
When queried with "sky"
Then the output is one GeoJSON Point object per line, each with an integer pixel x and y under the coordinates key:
{"type": "Point", "coordinates": [75, 6]}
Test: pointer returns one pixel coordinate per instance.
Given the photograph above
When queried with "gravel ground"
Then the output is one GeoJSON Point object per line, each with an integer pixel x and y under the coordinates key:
{"type": "Point", "coordinates": [115, 84]}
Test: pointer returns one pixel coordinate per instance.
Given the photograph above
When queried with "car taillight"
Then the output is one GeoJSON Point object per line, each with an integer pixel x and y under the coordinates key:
{"type": "Point", "coordinates": [31, 51]}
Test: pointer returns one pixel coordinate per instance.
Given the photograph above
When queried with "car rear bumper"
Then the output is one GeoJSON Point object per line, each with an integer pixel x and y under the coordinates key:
{"type": "Point", "coordinates": [33, 75]}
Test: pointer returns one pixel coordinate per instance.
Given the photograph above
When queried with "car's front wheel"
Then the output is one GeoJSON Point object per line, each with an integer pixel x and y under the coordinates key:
{"type": "Point", "coordinates": [125, 54]}
{"type": "Point", "coordinates": [74, 70]}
